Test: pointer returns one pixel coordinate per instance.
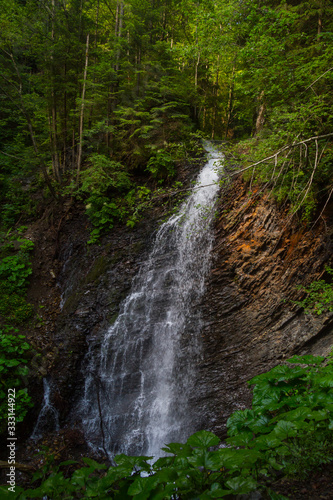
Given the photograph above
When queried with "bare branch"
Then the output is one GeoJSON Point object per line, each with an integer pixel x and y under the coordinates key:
{"type": "Point", "coordinates": [11, 156]}
{"type": "Point", "coordinates": [317, 79]}
{"type": "Point", "coordinates": [321, 213]}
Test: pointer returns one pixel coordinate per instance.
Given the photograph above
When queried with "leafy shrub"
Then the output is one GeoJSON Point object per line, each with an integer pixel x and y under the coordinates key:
{"type": "Point", "coordinates": [161, 165]}
{"type": "Point", "coordinates": [102, 180]}
{"type": "Point", "coordinates": [13, 369]}
{"type": "Point", "coordinates": [291, 415]}
{"type": "Point", "coordinates": [288, 429]}
{"type": "Point", "coordinates": [320, 296]}
{"type": "Point", "coordinates": [137, 201]}
{"type": "Point", "coordinates": [102, 212]}
{"type": "Point", "coordinates": [103, 174]}
{"type": "Point", "coordinates": [15, 270]}
{"type": "Point", "coordinates": [295, 174]}
{"type": "Point", "coordinates": [14, 307]}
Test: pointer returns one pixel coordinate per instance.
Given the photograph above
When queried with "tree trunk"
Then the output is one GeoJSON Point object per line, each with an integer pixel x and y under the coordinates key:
{"type": "Point", "coordinates": [94, 65]}
{"type": "Point", "coordinates": [82, 112]}
{"type": "Point", "coordinates": [216, 91]}
{"type": "Point", "coordinates": [196, 70]}
{"type": "Point", "coordinates": [26, 115]}
{"type": "Point", "coordinates": [230, 101]}
{"type": "Point", "coordinates": [119, 30]}
{"type": "Point", "coordinates": [53, 119]}
{"type": "Point", "coordinates": [260, 120]}
{"type": "Point", "coordinates": [65, 126]}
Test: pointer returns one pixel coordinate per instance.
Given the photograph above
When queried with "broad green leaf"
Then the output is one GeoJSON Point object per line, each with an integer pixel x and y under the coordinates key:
{"type": "Point", "coordinates": [243, 439]}
{"type": "Point", "coordinates": [209, 460]}
{"type": "Point", "coordinates": [283, 451]}
{"type": "Point", "coordinates": [285, 429]}
{"type": "Point", "coordinates": [240, 420]}
{"type": "Point", "coordinates": [179, 449]}
{"type": "Point", "coordinates": [260, 424]}
{"type": "Point", "coordinates": [215, 492]}
{"type": "Point", "coordinates": [93, 464]}
{"type": "Point", "coordinates": [241, 485]}
{"type": "Point", "coordinates": [267, 441]}
{"type": "Point", "coordinates": [203, 439]}
{"type": "Point", "coordinates": [163, 462]}
{"type": "Point", "coordinates": [127, 461]}
{"type": "Point", "coordinates": [80, 476]}
{"type": "Point", "coordinates": [300, 413]}
{"type": "Point", "coordinates": [324, 380]}
{"type": "Point", "coordinates": [166, 475]}
{"type": "Point", "coordinates": [68, 462]}
{"type": "Point", "coordinates": [308, 359]}
{"type": "Point", "coordinates": [166, 493]}
{"type": "Point", "coordinates": [234, 459]}
{"type": "Point", "coordinates": [142, 486]}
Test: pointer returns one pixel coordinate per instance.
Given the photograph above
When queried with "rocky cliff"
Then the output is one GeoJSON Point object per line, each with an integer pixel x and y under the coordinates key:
{"type": "Point", "coordinates": [250, 323]}
{"type": "Point", "coordinates": [261, 255]}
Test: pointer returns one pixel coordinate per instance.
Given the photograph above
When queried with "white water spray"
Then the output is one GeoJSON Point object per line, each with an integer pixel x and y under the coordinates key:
{"type": "Point", "coordinates": [139, 381]}
{"type": "Point", "coordinates": [48, 418]}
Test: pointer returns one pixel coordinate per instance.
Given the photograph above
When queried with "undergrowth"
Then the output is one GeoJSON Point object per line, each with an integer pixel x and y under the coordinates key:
{"type": "Point", "coordinates": [112, 195]}
{"type": "Point", "coordinates": [288, 430]}
{"type": "Point", "coordinates": [14, 358]}
{"type": "Point", "coordinates": [297, 171]}
{"type": "Point", "coordinates": [319, 298]}
{"type": "Point", "coordinates": [15, 270]}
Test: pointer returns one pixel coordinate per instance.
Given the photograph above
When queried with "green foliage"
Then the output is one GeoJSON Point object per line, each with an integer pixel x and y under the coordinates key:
{"type": "Point", "coordinates": [291, 416]}
{"type": "Point", "coordinates": [161, 166]}
{"type": "Point", "coordinates": [112, 197]}
{"type": "Point", "coordinates": [102, 181]}
{"type": "Point", "coordinates": [288, 430]}
{"type": "Point", "coordinates": [319, 297]}
{"type": "Point", "coordinates": [14, 357]}
{"type": "Point", "coordinates": [102, 213]}
{"type": "Point", "coordinates": [102, 175]}
{"type": "Point", "coordinates": [297, 175]}
{"type": "Point", "coordinates": [15, 270]}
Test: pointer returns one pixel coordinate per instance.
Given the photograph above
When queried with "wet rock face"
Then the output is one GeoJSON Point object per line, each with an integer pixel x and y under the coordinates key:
{"type": "Point", "coordinates": [251, 324]}
{"type": "Point", "coordinates": [93, 281]}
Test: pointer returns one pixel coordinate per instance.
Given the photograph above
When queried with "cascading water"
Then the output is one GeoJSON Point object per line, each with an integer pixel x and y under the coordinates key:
{"type": "Point", "coordinates": [48, 418]}
{"type": "Point", "coordinates": [140, 379]}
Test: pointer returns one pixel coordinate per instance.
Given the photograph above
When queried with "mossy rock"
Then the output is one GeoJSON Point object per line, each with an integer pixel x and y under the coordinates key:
{"type": "Point", "coordinates": [98, 269]}
{"type": "Point", "coordinates": [112, 318]}
{"type": "Point", "coordinates": [72, 302]}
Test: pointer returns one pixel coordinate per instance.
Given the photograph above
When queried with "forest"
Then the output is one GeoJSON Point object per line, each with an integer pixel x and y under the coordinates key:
{"type": "Point", "coordinates": [94, 93]}
{"type": "Point", "coordinates": [102, 103]}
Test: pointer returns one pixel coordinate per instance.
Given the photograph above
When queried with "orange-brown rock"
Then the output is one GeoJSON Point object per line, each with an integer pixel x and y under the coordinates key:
{"type": "Point", "coordinates": [261, 255]}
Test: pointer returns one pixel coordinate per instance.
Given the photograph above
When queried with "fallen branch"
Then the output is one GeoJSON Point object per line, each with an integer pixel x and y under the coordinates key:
{"type": "Point", "coordinates": [307, 88]}
{"type": "Point", "coordinates": [232, 174]}
{"type": "Point", "coordinates": [23, 467]}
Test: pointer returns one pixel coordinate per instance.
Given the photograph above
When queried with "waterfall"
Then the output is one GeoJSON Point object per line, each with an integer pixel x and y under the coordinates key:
{"type": "Point", "coordinates": [139, 380]}
{"type": "Point", "coordinates": [48, 418]}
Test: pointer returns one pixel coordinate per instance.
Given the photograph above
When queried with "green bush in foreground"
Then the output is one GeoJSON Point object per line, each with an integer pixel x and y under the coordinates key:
{"type": "Point", "coordinates": [15, 270]}
{"type": "Point", "coordinates": [13, 370]}
{"type": "Point", "coordinates": [288, 429]}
